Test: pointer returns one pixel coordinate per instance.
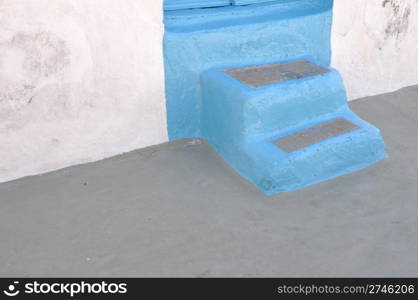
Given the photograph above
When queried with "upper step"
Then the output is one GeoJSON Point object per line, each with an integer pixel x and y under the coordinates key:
{"type": "Point", "coordinates": [266, 98]}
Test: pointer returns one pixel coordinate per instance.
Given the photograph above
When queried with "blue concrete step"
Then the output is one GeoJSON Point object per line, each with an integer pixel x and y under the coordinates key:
{"type": "Point", "coordinates": [273, 105]}
{"type": "Point", "coordinates": [188, 4]}
{"type": "Point", "coordinates": [286, 125]}
{"type": "Point", "coordinates": [185, 15]}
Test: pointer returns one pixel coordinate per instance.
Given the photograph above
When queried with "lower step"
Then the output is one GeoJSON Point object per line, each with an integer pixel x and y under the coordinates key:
{"type": "Point", "coordinates": [284, 126]}
{"type": "Point", "coordinates": [288, 161]}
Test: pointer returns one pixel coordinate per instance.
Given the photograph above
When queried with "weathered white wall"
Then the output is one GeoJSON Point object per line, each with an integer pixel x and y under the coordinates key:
{"type": "Point", "coordinates": [80, 80]}
{"type": "Point", "coordinates": [375, 45]}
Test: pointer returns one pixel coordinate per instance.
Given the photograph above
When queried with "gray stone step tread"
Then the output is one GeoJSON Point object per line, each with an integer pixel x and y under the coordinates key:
{"type": "Point", "coordinates": [257, 76]}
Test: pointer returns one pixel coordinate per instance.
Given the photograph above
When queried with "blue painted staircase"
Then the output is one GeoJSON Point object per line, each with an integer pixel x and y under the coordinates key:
{"type": "Point", "coordinates": [255, 82]}
{"type": "Point", "coordinates": [287, 134]}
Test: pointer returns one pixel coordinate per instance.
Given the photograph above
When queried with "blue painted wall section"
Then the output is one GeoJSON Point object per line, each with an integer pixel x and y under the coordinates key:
{"type": "Point", "coordinates": [242, 123]}
{"type": "Point", "coordinates": [199, 39]}
{"type": "Point", "coordinates": [185, 4]}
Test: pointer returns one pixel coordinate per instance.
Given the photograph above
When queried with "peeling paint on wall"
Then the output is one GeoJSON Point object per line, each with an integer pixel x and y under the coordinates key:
{"type": "Point", "coordinates": [374, 42]}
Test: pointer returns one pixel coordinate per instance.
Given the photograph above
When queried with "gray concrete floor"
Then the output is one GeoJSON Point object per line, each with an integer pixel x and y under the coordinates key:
{"type": "Point", "coordinates": [179, 210]}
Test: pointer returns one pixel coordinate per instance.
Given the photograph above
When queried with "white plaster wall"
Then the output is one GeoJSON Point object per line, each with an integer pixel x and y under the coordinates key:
{"type": "Point", "coordinates": [80, 80]}
{"type": "Point", "coordinates": [375, 45]}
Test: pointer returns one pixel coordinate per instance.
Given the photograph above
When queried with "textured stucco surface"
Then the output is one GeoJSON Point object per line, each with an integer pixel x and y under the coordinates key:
{"type": "Point", "coordinates": [79, 81]}
{"type": "Point", "coordinates": [375, 45]}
